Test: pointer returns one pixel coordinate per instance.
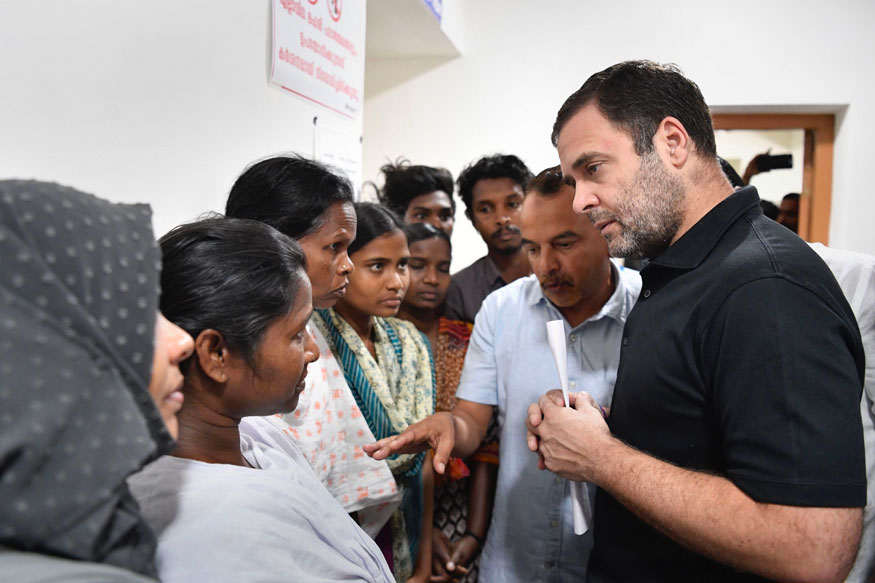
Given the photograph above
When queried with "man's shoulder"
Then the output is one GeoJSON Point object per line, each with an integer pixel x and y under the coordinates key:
{"type": "Point", "coordinates": [771, 250]}
{"type": "Point", "coordinates": [774, 261]}
{"type": "Point", "coordinates": [630, 280]}
{"type": "Point", "coordinates": [520, 292]}
{"type": "Point", "coordinates": [844, 263]}
{"type": "Point", "coordinates": [470, 273]}
{"type": "Point", "coordinates": [469, 287]}
{"type": "Point", "coordinates": [855, 274]}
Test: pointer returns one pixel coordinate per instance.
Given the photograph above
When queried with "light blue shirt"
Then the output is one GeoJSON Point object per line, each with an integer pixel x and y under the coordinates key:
{"type": "Point", "coordinates": [509, 365]}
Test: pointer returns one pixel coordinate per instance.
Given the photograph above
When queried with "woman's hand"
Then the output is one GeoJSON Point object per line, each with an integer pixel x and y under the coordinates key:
{"type": "Point", "coordinates": [441, 550]}
{"type": "Point", "coordinates": [464, 551]}
{"type": "Point", "coordinates": [452, 561]}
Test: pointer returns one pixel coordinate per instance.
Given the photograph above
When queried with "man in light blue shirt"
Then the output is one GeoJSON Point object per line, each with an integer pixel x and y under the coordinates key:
{"type": "Point", "coordinates": [509, 364]}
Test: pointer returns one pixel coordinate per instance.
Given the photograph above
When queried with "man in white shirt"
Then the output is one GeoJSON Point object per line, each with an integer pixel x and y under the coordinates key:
{"type": "Point", "coordinates": [509, 363]}
{"type": "Point", "coordinates": [855, 273]}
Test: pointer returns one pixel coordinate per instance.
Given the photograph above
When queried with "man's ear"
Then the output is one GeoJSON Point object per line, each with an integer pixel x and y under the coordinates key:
{"type": "Point", "coordinates": [673, 141]}
{"type": "Point", "coordinates": [212, 354]}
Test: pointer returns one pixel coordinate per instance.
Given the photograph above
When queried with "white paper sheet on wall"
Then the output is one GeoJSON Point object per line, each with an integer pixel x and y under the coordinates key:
{"type": "Point", "coordinates": [318, 52]}
{"type": "Point", "coordinates": [340, 149]}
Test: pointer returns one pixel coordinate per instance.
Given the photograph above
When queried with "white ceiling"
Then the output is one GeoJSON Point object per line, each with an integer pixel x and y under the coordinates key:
{"type": "Point", "coordinates": [400, 29]}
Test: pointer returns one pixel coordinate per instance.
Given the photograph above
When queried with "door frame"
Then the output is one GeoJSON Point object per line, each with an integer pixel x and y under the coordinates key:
{"type": "Point", "coordinates": [816, 197]}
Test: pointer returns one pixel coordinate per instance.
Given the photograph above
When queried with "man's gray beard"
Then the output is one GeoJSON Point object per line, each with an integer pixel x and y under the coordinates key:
{"type": "Point", "coordinates": [652, 211]}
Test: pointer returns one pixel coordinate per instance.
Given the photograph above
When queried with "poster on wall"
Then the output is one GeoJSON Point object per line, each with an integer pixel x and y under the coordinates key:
{"type": "Point", "coordinates": [318, 52]}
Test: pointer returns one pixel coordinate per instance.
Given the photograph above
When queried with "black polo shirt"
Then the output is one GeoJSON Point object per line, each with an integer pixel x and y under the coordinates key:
{"type": "Point", "coordinates": [741, 358]}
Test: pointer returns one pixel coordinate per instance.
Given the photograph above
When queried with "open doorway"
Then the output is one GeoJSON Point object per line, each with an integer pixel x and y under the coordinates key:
{"type": "Point", "coordinates": [741, 147]}
{"type": "Point", "coordinates": [815, 135]}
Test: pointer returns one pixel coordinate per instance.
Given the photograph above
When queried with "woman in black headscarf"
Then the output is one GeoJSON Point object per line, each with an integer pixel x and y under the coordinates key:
{"type": "Point", "coordinates": [89, 383]}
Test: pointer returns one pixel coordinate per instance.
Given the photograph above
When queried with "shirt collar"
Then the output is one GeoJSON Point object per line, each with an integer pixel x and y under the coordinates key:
{"type": "Point", "coordinates": [617, 307]}
{"type": "Point", "coordinates": [490, 272]}
{"type": "Point", "coordinates": [697, 243]}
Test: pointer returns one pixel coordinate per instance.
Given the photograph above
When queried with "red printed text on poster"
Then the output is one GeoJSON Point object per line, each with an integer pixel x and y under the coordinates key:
{"type": "Point", "coordinates": [318, 52]}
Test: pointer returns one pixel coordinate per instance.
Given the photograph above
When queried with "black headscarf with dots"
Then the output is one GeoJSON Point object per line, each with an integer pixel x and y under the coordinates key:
{"type": "Point", "coordinates": [79, 288]}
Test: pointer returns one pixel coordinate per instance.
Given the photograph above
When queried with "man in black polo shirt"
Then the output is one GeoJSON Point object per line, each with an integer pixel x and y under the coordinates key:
{"type": "Point", "coordinates": [733, 449]}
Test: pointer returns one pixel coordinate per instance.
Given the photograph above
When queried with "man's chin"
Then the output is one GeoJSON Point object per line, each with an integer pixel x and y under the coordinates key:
{"type": "Point", "coordinates": [621, 248]}
{"type": "Point", "coordinates": [510, 248]}
{"type": "Point", "coordinates": [639, 250]}
{"type": "Point", "coordinates": [559, 300]}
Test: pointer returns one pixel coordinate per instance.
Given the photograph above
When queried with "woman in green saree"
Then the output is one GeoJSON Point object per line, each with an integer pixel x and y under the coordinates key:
{"type": "Point", "coordinates": [388, 366]}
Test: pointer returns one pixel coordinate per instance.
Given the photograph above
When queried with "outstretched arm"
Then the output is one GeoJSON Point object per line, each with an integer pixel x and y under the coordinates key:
{"type": "Point", "coordinates": [753, 167]}
{"type": "Point", "coordinates": [704, 512]}
{"type": "Point", "coordinates": [456, 433]}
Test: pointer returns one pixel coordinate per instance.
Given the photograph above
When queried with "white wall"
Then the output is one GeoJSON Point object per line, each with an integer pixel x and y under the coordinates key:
{"type": "Point", "coordinates": [521, 59]}
{"type": "Point", "coordinates": [162, 101]}
{"type": "Point", "coordinates": [166, 101]}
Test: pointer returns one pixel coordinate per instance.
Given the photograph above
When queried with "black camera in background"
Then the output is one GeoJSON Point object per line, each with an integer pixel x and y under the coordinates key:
{"type": "Point", "coordinates": [766, 162]}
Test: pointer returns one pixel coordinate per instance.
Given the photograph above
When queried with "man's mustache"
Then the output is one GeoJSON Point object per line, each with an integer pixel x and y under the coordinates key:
{"type": "Point", "coordinates": [598, 216]}
{"type": "Point", "coordinates": [512, 229]}
{"type": "Point", "coordinates": [555, 281]}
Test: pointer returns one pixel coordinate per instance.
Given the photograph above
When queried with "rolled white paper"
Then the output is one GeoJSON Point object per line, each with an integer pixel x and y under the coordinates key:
{"type": "Point", "coordinates": [579, 500]}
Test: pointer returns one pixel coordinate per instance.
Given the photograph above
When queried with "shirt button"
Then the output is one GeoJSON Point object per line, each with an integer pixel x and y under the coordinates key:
{"type": "Point", "coordinates": [557, 479]}
{"type": "Point", "coordinates": [625, 341]}
{"type": "Point", "coordinates": [572, 384]}
{"type": "Point", "coordinates": [573, 337]}
{"type": "Point", "coordinates": [646, 293]}
{"type": "Point", "coordinates": [554, 523]}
